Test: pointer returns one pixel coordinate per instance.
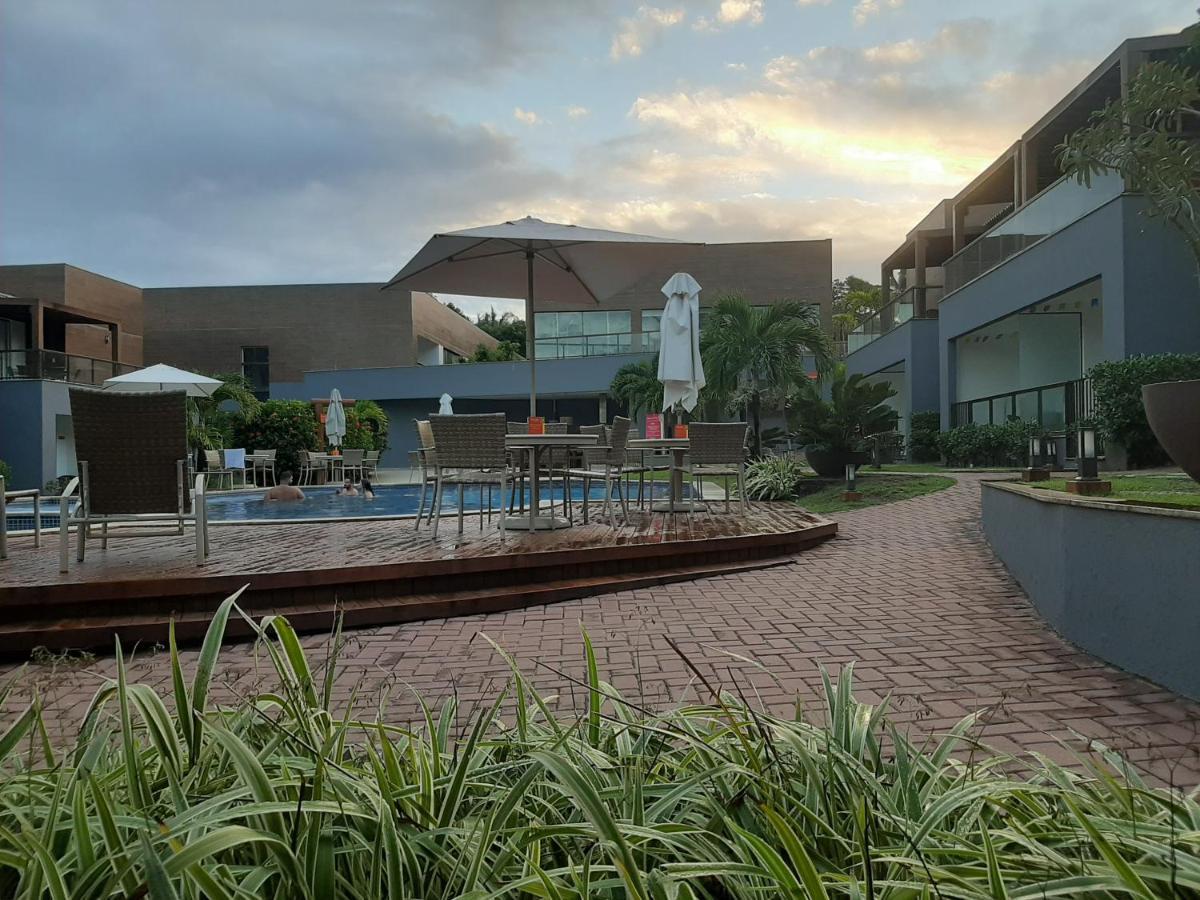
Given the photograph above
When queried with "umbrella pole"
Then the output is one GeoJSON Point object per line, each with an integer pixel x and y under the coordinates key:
{"type": "Point", "coordinates": [530, 350]}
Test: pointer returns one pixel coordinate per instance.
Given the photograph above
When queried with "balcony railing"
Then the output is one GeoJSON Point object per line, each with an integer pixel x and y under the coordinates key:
{"type": "Point", "coordinates": [1052, 210]}
{"type": "Point", "coordinates": [1057, 408]}
{"type": "Point", "coordinates": [892, 315]}
{"type": "Point", "coordinates": [53, 365]}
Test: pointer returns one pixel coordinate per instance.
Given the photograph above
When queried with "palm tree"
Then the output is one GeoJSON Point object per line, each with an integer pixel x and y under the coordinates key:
{"type": "Point", "coordinates": [755, 356]}
{"type": "Point", "coordinates": [205, 431]}
{"type": "Point", "coordinates": [637, 386]}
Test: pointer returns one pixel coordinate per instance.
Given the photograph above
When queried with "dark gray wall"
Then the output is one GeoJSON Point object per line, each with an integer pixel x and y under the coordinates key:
{"type": "Point", "coordinates": [915, 344]}
{"type": "Point", "coordinates": [1119, 583]}
{"type": "Point", "coordinates": [27, 411]}
{"type": "Point", "coordinates": [1162, 292]}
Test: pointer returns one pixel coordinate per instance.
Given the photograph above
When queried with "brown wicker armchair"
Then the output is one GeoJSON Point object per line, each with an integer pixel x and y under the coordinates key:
{"type": "Point", "coordinates": [718, 449]}
{"type": "Point", "coordinates": [607, 464]}
{"type": "Point", "coordinates": [470, 451]}
{"type": "Point", "coordinates": [132, 454]}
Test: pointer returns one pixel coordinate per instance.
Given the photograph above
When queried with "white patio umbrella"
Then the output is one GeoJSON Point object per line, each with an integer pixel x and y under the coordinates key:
{"type": "Point", "coordinates": [335, 419]}
{"type": "Point", "coordinates": [567, 264]}
{"type": "Point", "coordinates": [680, 368]}
{"type": "Point", "coordinates": [444, 405]}
{"type": "Point", "coordinates": [164, 378]}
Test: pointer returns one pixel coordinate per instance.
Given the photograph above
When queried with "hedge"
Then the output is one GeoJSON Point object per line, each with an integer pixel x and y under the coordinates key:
{"type": "Point", "coordinates": [1120, 416]}
{"type": "Point", "coordinates": [987, 445]}
{"type": "Point", "coordinates": [923, 437]}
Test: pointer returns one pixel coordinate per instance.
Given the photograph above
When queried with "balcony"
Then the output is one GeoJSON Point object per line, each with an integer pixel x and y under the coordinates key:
{"type": "Point", "coordinates": [1052, 210]}
{"type": "Point", "coordinates": [1057, 408]}
{"type": "Point", "coordinates": [52, 365]}
{"type": "Point", "coordinates": [893, 315]}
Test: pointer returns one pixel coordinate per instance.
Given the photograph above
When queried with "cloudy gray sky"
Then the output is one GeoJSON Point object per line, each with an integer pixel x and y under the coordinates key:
{"type": "Point", "coordinates": [226, 141]}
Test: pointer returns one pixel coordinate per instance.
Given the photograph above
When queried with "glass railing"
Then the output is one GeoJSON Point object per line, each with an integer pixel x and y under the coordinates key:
{"type": "Point", "coordinates": [1055, 407]}
{"type": "Point", "coordinates": [573, 346]}
{"type": "Point", "coordinates": [53, 365]}
{"type": "Point", "coordinates": [891, 316]}
{"type": "Point", "coordinates": [1062, 203]}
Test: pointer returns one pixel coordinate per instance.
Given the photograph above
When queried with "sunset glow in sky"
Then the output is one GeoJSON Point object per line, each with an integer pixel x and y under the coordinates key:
{"type": "Point", "coordinates": [306, 140]}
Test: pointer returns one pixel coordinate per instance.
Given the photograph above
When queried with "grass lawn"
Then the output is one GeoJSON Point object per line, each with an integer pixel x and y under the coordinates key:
{"type": "Point", "coordinates": [936, 468]}
{"type": "Point", "coordinates": [875, 491]}
{"type": "Point", "coordinates": [1173, 490]}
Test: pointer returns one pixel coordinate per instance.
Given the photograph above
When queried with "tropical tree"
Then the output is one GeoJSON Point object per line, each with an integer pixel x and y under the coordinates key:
{"type": "Point", "coordinates": [856, 409]}
{"type": "Point", "coordinates": [854, 299]}
{"type": "Point", "coordinates": [1146, 137]}
{"type": "Point", "coordinates": [754, 357]}
{"type": "Point", "coordinates": [637, 386]}
{"type": "Point", "coordinates": [210, 420]}
{"type": "Point", "coordinates": [504, 327]}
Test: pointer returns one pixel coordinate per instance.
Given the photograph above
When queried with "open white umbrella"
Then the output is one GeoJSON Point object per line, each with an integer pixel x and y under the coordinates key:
{"type": "Point", "coordinates": [164, 378]}
{"type": "Point", "coordinates": [444, 405]}
{"type": "Point", "coordinates": [680, 368]}
{"type": "Point", "coordinates": [335, 419]}
{"type": "Point", "coordinates": [568, 264]}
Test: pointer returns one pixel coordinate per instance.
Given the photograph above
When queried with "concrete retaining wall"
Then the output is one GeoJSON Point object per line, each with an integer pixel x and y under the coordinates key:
{"type": "Point", "coordinates": [1121, 582]}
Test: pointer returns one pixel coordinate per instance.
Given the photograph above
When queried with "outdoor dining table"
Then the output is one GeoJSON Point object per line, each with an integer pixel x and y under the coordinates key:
{"type": "Point", "coordinates": [331, 462]}
{"type": "Point", "coordinates": [534, 444]}
{"type": "Point", "coordinates": [675, 503]}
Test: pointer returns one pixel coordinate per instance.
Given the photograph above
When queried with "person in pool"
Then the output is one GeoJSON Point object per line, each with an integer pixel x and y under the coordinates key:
{"type": "Point", "coordinates": [285, 490]}
{"type": "Point", "coordinates": [367, 490]}
{"type": "Point", "coordinates": [347, 489]}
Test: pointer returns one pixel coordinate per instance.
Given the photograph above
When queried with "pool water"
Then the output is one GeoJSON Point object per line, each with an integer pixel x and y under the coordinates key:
{"type": "Point", "coordinates": [390, 500]}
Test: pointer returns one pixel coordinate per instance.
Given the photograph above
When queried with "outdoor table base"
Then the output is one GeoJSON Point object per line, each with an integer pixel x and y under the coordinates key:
{"type": "Point", "coordinates": [675, 503]}
{"type": "Point", "coordinates": [535, 519]}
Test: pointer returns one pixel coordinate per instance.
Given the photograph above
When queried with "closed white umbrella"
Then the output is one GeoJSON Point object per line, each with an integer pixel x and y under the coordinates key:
{"type": "Point", "coordinates": [164, 378]}
{"type": "Point", "coordinates": [680, 368]}
{"type": "Point", "coordinates": [335, 419]}
{"type": "Point", "coordinates": [444, 405]}
{"type": "Point", "coordinates": [568, 264]}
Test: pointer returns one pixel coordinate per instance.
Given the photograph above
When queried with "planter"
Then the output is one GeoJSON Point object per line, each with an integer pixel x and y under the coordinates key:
{"type": "Point", "coordinates": [832, 463]}
{"type": "Point", "coordinates": [1173, 411]}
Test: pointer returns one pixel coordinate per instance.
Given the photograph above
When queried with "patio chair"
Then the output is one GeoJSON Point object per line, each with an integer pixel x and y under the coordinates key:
{"type": "Point", "coordinates": [470, 451]}
{"type": "Point", "coordinates": [132, 453]}
{"type": "Point", "coordinates": [606, 463]}
{"type": "Point", "coordinates": [718, 450]}
{"type": "Point", "coordinates": [308, 467]}
{"type": "Point", "coordinates": [264, 462]}
{"type": "Point", "coordinates": [234, 461]}
{"type": "Point", "coordinates": [215, 466]}
{"type": "Point", "coordinates": [426, 459]}
{"type": "Point", "coordinates": [352, 464]}
{"type": "Point", "coordinates": [370, 466]}
{"type": "Point", "coordinates": [5, 496]}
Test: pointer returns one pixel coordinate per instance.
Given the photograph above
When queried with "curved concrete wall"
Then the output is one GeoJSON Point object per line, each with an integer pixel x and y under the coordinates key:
{"type": "Point", "coordinates": [1121, 582]}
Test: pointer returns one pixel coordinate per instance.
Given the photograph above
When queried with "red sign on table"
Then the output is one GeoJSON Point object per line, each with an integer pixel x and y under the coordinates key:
{"type": "Point", "coordinates": [537, 425]}
{"type": "Point", "coordinates": [681, 431]}
{"type": "Point", "coordinates": [654, 426]}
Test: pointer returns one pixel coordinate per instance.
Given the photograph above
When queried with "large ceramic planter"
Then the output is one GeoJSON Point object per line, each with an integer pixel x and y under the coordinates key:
{"type": "Point", "coordinates": [1173, 411]}
{"type": "Point", "coordinates": [832, 464]}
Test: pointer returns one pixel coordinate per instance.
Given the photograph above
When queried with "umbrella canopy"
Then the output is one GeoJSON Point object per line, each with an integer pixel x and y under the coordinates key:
{"type": "Point", "coordinates": [164, 378]}
{"type": "Point", "coordinates": [566, 264]}
{"type": "Point", "coordinates": [680, 368]}
{"type": "Point", "coordinates": [444, 405]}
{"type": "Point", "coordinates": [335, 419]}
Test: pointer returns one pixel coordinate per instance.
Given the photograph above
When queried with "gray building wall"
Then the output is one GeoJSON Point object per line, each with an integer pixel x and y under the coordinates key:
{"type": "Point", "coordinates": [1085, 569]}
{"type": "Point", "coordinates": [27, 428]}
{"type": "Point", "coordinates": [913, 344]}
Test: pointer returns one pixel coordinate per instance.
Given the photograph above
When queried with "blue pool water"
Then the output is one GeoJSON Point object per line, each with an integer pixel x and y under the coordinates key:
{"type": "Point", "coordinates": [392, 500]}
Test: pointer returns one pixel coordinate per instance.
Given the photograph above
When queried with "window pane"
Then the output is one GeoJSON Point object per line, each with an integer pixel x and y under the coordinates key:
{"type": "Point", "coordinates": [254, 354]}
{"type": "Point", "coordinates": [595, 323]}
{"type": "Point", "coordinates": [1054, 409]}
{"type": "Point", "coordinates": [619, 321]}
{"type": "Point", "coordinates": [624, 342]}
{"type": "Point", "coordinates": [545, 325]}
{"type": "Point", "coordinates": [1027, 406]}
{"type": "Point", "coordinates": [651, 320]}
{"type": "Point", "coordinates": [547, 349]}
{"type": "Point", "coordinates": [650, 341]}
{"type": "Point", "coordinates": [570, 324]}
{"type": "Point", "coordinates": [981, 412]}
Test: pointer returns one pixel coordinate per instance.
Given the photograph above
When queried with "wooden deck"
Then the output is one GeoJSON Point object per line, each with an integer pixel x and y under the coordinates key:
{"type": "Point", "coordinates": [374, 572]}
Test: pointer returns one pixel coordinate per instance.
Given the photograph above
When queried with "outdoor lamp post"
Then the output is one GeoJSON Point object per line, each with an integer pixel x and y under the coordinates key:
{"type": "Point", "coordinates": [851, 492]}
{"type": "Point", "coordinates": [1087, 482]}
{"type": "Point", "coordinates": [1037, 470]}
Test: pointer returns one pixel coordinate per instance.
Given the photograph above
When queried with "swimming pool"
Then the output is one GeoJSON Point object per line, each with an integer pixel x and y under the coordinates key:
{"type": "Point", "coordinates": [390, 500]}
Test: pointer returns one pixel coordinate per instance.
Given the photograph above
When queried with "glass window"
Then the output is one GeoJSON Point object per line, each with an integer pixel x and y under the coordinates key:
{"type": "Point", "coordinates": [595, 322]}
{"type": "Point", "coordinates": [651, 320]}
{"type": "Point", "coordinates": [256, 368]}
{"type": "Point", "coordinates": [545, 325]}
{"type": "Point", "coordinates": [1027, 406]}
{"type": "Point", "coordinates": [570, 324]}
{"type": "Point", "coordinates": [981, 412]}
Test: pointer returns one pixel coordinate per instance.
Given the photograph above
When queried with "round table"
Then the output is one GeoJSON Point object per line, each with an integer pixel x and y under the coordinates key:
{"type": "Point", "coordinates": [534, 444]}
{"type": "Point", "coordinates": [675, 503]}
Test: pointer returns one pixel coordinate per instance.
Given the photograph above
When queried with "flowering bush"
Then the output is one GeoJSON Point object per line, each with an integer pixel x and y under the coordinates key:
{"type": "Point", "coordinates": [286, 426]}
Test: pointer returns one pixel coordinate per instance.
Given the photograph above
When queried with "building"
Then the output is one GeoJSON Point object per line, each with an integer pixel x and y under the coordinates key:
{"type": "Point", "coordinates": [65, 326]}
{"type": "Point", "coordinates": [999, 301]}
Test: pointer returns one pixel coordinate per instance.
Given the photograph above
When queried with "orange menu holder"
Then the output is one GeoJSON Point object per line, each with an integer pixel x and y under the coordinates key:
{"type": "Point", "coordinates": [681, 431]}
{"type": "Point", "coordinates": [537, 425]}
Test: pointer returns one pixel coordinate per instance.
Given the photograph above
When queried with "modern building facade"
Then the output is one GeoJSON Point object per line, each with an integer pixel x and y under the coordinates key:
{"type": "Point", "coordinates": [999, 301]}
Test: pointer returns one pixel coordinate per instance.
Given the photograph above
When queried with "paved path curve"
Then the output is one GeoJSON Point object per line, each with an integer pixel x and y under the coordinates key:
{"type": "Point", "coordinates": [909, 591]}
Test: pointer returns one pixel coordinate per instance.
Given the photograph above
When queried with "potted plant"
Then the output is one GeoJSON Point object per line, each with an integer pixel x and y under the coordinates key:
{"type": "Point", "coordinates": [836, 432]}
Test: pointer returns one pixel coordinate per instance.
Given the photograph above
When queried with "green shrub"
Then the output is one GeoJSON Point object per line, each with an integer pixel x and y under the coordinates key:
{"type": "Point", "coordinates": [6, 472]}
{"type": "Point", "coordinates": [366, 426]}
{"type": "Point", "coordinates": [286, 426]}
{"type": "Point", "coordinates": [987, 445]}
{"type": "Point", "coordinates": [855, 410]}
{"type": "Point", "coordinates": [283, 794]}
{"type": "Point", "coordinates": [1118, 392]}
{"type": "Point", "coordinates": [773, 478]}
{"type": "Point", "coordinates": [923, 437]}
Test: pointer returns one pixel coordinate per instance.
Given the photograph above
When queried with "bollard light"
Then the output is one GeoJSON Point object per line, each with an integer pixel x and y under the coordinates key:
{"type": "Point", "coordinates": [851, 472]}
{"type": "Point", "coordinates": [1035, 451]}
{"type": "Point", "coordinates": [1089, 463]}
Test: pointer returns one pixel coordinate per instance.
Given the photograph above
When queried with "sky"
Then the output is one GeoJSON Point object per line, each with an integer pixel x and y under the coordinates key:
{"type": "Point", "coordinates": [165, 142]}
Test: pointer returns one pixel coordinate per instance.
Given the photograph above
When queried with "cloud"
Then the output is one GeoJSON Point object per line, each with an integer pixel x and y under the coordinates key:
{"type": "Point", "coordinates": [734, 11]}
{"type": "Point", "coordinates": [578, 112]}
{"type": "Point", "coordinates": [909, 51]}
{"type": "Point", "coordinates": [526, 117]}
{"type": "Point", "coordinates": [644, 29]}
{"type": "Point", "coordinates": [866, 9]}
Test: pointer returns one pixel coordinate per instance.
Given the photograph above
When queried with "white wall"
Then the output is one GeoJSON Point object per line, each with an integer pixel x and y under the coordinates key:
{"type": "Point", "coordinates": [988, 361]}
{"type": "Point", "coordinates": [429, 353]}
{"type": "Point", "coordinates": [1049, 349]}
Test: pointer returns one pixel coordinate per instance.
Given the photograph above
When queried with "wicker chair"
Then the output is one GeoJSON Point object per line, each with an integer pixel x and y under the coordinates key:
{"type": "Point", "coordinates": [470, 451]}
{"type": "Point", "coordinates": [718, 449]}
{"type": "Point", "coordinates": [370, 465]}
{"type": "Point", "coordinates": [606, 463]}
{"type": "Point", "coordinates": [352, 464]}
{"type": "Point", "coordinates": [214, 466]}
{"type": "Point", "coordinates": [264, 462]}
{"type": "Point", "coordinates": [308, 467]}
{"type": "Point", "coordinates": [425, 458]}
{"type": "Point", "coordinates": [132, 455]}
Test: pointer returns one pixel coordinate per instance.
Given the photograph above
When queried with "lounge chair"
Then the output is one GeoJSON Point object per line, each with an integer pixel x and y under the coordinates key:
{"type": "Point", "coordinates": [132, 455]}
{"type": "Point", "coordinates": [5, 496]}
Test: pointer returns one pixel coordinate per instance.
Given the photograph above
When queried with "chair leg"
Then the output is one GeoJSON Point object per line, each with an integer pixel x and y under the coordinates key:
{"type": "Point", "coordinates": [503, 487]}
{"type": "Point", "coordinates": [621, 493]}
{"type": "Point", "coordinates": [81, 539]}
{"type": "Point", "coordinates": [741, 480]}
{"type": "Point", "coordinates": [37, 520]}
{"type": "Point", "coordinates": [421, 504]}
{"type": "Point", "coordinates": [435, 507]}
{"type": "Point", "coordinates": [104, 536]}
{"type": "Point", "coordinates": [460, 508]}
{"type": "Point", "coordinates": [608, 489]}
{"type": "Point", "coordinates": [587, 490]}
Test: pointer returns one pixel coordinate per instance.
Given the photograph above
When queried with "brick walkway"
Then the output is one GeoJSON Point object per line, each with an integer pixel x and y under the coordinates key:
{"type": "Point", "coordinates": [909, 592]}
